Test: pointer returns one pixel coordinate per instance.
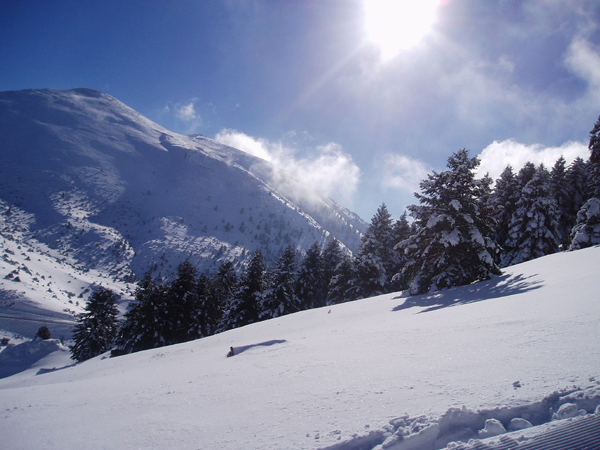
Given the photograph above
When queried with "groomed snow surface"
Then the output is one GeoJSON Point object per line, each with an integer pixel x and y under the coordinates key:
{"type": "Point", "coordinates": [433, 371]}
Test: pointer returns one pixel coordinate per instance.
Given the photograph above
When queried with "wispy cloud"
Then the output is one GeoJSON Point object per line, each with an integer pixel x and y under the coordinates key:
{"type": "Point", "coordinates": [496, 156]}
{"type": "Point", "coordinates": [403, 172]}
{"type": "Point", "coordinates": [187, 112]}
{"type": "Point", "coordinates": [184, 116]}
{"type": "Point", "coordinates": [326, 168]}
{"type": "Point", "coordinates": [584, 60]}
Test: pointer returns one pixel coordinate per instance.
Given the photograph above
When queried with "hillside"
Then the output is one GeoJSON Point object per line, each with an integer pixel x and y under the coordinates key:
{"type": "Point", "coordinates": [388, 372]}
{"type": "Point", "coordinates": [100, 194]}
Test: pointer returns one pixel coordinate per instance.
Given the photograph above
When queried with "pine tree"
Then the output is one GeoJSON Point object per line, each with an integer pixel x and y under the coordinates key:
{"type": "Point", "coordinates": [209, 313]}
{"type": "Point", "coordinates": [504, 200]}
{"type": "Point", "coordinates": [534, 229]}
{"type": "Point", "coordinates": [244, 308]}
{"type": "Point", "coordinates": [280, 297]}
{"type": "Point", "coordinates": [594, 161]}
{"type": "Point", "coordinates": [340, 285]}
{"type": "Point", "coordinates": [97, 327]}
{"type": "Point", "coordinates": [526, 174]}
{"type": "Point", "coordinates": [593, 187]}
{"type": "Point", "coordinates": [402, 230]}
{"type": "Point", "coordinates": [560, 192]}
{"type": "Point", "coordinates": [310, 286]}
{"type": "Point", "coordinates": [182, 306]}
{"type": "Point", "coordinates": [594, 144]}
{"type": "Point", "coordinates": [331, 256]}
{"type": "Point", "coordinates": [224, 284]}
{"type": "Point", "coordinates": [43, 333]}
{"type": "Point", "coordinates": [577, 185]}
{"type": "Point", "coordinates": [145, 325]}
{"type": "Point", "coordinates": [375, 263]}
{"type": "Point", "coordinates": [586, 231]}
{"type": "Point", "coordinates": [453, 245]}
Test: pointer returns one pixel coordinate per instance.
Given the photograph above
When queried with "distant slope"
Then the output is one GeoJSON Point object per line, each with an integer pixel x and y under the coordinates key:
{"type": "Point", "coordinates": [96, 186]}
{"type": "Point", "coordinates": [386, 372]}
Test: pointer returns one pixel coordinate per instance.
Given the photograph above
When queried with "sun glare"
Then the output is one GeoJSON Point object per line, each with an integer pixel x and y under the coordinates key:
{"type": "Point", "coordinates": [396, 25]}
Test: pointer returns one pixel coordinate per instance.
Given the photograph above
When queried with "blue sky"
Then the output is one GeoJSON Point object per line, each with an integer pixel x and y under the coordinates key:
{"type": "Point", "coordinates": [307, 85]}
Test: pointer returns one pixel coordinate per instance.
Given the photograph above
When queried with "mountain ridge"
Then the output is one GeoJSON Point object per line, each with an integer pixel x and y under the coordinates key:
{"type": "Point", "coordinates": [106, 189]}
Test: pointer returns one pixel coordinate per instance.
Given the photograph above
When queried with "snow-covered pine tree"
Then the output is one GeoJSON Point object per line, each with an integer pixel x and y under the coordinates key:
{"type": "Point", "coordinates": [310, 286]}
{"type": "Point", "coordinates": [207, 315]}
{"type": "Point", "coordinates": [244, 308]}
{"type": "Point", "coordinates": [594, 161]}
{"type": "Point", "coordinates": [280, 296]}
{"type": "Point", "coordinates": [594, 144]}
{"type": "Point", "coordinates": [331, 256]}
{"type": "Point", "coordinates": [504, 199]}
{"type": "Point", "coordinates": [340, 284]}
{"type": "Point", "coordinates": [182, 306]}
{"type": "Point", "coordinates": [375, 262]}
{"type": "Point", "coordinates": [577, 184]}
{"type": "Point", "coordinates": [560, 191]}
{"type": "Point", "coordinates": [453, 245]}
{"type": "Point", "coordinates": [402, 230]}
{"type": "Point", "coordinates": [145, 324]}
{"type": "Point", "coordinates": [224, 284]}
{"type": "Point", "coordinates": [534, 228]}
{"type": "Point", "coordinates": [525, 174]}
{"type": "Point", "coordinates": [97, 327]}
{"type": "Point", "coordinates": [586, 231]}
{"type": "Point", "coordinates": [593, 188]}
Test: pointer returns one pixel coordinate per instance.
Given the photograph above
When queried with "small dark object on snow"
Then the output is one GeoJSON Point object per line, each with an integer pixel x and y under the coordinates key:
{"type": "Point", "coordinates": [5, 341]}
{"type": "Point", "coordinates": [43, 333]}
{"type": "Point", "coordinates": [231, 352]}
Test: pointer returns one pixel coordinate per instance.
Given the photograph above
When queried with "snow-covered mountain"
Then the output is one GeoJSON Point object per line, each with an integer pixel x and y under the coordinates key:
{"type": "Point", "coordinates": [508, 363]}
{"type": "Point", "coordinates": [91, 187]}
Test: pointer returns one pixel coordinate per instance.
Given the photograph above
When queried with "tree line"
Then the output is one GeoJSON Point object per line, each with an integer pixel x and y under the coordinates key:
{"type": "Point", "coordinates": [463, 230]}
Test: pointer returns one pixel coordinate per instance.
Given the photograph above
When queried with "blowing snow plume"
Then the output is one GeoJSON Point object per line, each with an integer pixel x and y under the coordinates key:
{"type": "Point", "coordinates": [327, 168]}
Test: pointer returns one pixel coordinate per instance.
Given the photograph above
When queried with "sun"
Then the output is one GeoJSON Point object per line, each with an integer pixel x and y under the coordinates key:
{"type": "Point", "coordinates": [396, 25]}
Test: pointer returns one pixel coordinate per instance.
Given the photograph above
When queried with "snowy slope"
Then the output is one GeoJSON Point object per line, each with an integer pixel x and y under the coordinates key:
{"type": "Point", "coordinates": [386, 372]}
{"type": "Point", "coordinates": [99, 193]}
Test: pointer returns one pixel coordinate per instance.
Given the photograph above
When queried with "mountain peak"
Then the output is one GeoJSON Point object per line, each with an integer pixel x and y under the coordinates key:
{"type": "Point", "coordinates": [105, 189]}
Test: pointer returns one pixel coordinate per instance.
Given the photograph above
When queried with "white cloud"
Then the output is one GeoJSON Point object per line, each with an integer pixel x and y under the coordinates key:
{"type": "Point", "coordinates": [403, 172]}
{"type": "Point", "coordinates": [584, 61]}
{"type": "Point", "coordinates": [327, 169]}
{"type": "Point", "coordinates": [187, 112]}
{"type": "Point", "coordinates": [184, 117]}
{"type": "Point", "coordinates": [331, 171]}
{"type": "Point", "coordinates": [496, 156]}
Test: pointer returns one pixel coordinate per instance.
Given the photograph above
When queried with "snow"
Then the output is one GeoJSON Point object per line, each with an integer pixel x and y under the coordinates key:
{"type": "Point", "coordinates": [90, 183]}
{"type": "Point", "coordinates": [390, 372]}
{"type": "Point", "coordinates": [456, 205]}
{"type": "Point", "coordinates": [38, 355]}
{"type": "Point", "coordinates": [493, 427]}
{"type": "Point", "coordinates": [518, 423]}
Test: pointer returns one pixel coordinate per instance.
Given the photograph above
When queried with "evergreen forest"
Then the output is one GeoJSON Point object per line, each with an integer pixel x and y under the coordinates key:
{"type": "Point", "coordinates": [464, 229]}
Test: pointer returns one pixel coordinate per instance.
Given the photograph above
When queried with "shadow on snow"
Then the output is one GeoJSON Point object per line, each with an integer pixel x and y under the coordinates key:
{"type": "Point", "coordinates": [243, 348]}
{"type": "Point", "coordinates": [497, 287]}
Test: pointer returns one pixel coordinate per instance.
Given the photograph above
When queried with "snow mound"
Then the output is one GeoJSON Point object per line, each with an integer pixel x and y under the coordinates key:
{"type": "Point", "coordinates": [33, 355]}
{"type": "Point", "coordinates": [463, 429]}
{"type": "Point", "coordinates": [575, 433]}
